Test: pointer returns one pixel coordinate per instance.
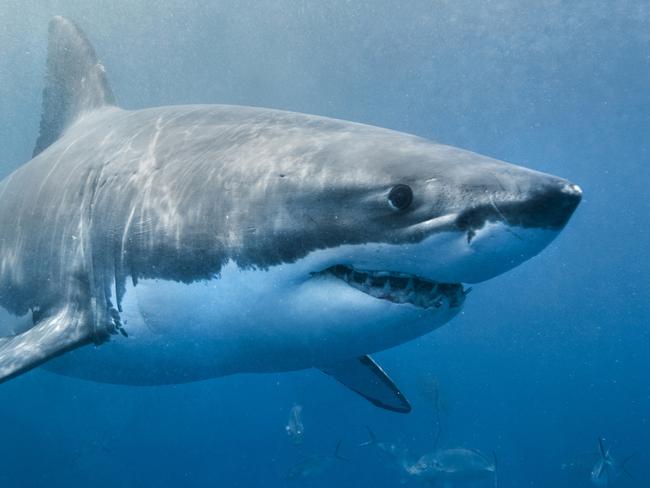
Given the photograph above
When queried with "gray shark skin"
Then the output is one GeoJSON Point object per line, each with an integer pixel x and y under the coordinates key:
{"type": "Point", "coordinates": [189, 242]}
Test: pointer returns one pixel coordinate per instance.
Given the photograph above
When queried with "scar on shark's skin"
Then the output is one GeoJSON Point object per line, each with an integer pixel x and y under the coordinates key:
{"type": "Point", "coordinates": [191, 242]}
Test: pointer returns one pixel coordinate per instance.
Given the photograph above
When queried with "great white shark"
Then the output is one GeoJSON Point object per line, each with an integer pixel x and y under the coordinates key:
{"type": "Point", "coordinates": [181, 243]}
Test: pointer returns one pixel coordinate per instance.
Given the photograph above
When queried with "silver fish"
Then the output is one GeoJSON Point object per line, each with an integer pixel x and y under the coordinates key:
{"type": "Point", "coordinates": [454, 465]}
{"type": "Point", "coordinates": [607, 469]}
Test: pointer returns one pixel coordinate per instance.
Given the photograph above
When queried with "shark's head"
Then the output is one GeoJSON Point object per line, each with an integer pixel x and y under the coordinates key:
{"type": "Point", "coordinates": [372, 233]}
{"type": "Point", "coordinates": [379, 201]}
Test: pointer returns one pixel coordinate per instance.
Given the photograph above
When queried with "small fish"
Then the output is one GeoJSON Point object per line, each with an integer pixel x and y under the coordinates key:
{"type": "Point", "coordinates": [295, 428]}
{"type": "Point", "coordinates": [386, 447]}
{"type": "Point", "coordinates": [454, 465]}
{"type": "Point", "coordinates": [607, 469]}
{"type": "Point", "coordinates": [314, 465]}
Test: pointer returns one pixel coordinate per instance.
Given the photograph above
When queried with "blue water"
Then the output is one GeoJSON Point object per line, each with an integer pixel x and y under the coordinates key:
{"type": "Point", "coordinates": [543, 360]}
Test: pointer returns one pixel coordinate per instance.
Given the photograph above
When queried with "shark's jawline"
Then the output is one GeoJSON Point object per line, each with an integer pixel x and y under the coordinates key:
{"type": "Point", "coordinates": [401, 288]}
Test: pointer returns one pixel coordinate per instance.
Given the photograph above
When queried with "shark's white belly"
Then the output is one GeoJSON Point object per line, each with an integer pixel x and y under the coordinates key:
{"type": "Point", "coordinates": [244, 321]}
{"type": "Point", "coordinates": [278, 319]}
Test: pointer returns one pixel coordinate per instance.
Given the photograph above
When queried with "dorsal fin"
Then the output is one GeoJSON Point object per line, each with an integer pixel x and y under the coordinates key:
{"type": "Point", "coordinates": [75, 82]}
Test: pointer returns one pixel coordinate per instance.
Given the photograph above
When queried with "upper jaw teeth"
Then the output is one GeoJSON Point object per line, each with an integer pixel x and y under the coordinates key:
{"type": "Point", "coordinates": [401, 287]}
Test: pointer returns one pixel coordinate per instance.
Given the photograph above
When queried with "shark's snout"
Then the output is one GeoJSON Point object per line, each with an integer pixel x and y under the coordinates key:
{"type": "Point", "coordinates": [547, 206]}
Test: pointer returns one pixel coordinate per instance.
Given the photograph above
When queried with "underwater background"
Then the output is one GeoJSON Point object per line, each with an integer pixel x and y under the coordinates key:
{"type": "Point", "coordinates": [542, 361]}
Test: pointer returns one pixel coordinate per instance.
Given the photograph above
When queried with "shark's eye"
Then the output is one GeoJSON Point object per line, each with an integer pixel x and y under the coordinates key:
{"type": "Point", "coordinates": [400, 197]}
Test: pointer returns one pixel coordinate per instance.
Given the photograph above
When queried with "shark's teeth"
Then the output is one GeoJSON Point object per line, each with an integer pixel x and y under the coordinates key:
{"type": "Point", "coordinates": [401, 287]}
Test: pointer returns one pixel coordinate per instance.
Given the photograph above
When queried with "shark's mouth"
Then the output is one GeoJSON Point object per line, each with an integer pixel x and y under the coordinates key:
{"type": "Point", "coordinates": [401, 287]}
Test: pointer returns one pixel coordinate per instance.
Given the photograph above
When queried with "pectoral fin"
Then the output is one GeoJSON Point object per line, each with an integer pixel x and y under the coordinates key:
{"type": "Point", "coordinates": [50, 337]}
{"type": "Point", "coordinates": [365, 377]}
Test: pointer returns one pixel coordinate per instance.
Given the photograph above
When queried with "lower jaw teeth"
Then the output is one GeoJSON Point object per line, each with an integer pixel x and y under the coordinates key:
{"type": "Point", "coordinates": [401, 288]}
{"type": "Point", "coordinates": [398, 296]}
